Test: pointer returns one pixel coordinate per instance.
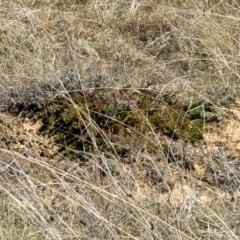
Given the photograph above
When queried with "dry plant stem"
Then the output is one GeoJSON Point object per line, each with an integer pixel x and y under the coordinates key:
{"type": "Point", "coordinates": [106, 195]}
{"type": "Point", "coordinates": [119, 119]}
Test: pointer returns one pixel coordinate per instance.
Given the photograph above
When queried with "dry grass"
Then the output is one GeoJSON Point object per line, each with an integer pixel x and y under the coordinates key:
{"type": "Point", "coordinates": [188, 50]}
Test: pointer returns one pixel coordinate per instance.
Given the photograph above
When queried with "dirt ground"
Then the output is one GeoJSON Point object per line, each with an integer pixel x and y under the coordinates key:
{"type": "Point", "coordinates": [209, 161]}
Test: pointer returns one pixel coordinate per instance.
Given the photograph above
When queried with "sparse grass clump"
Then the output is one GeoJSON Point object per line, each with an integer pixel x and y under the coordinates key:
{"type": "Point", "coordinates": [119, 119]}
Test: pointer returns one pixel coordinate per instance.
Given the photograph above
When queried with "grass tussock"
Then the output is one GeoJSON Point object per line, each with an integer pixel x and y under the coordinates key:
{"type": "Point", "coordinates": [119, 119]}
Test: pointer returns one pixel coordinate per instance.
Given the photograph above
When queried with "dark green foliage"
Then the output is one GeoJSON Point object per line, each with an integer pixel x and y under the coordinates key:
{"type": "Point", "coordinates": [79, 129]}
